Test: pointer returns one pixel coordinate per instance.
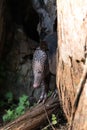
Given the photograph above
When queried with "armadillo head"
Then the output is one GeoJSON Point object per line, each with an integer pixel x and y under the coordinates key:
{"type": "Point", "coordinates": [39, 61]}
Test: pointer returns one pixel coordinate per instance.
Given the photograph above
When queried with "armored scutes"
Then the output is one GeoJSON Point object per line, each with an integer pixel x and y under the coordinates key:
{"type": "Point", "coordinates": [44, 60]}
{"type": "Point", "coordinates": [40, 65]}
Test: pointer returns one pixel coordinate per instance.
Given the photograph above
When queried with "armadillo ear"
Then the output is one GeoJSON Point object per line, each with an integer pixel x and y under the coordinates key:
{"type": "Point", "coordinates": [43, 45]}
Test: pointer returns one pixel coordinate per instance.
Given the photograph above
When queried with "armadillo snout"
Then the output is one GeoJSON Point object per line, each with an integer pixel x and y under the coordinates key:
{"type": "Point", "coordinates": [35, 85]}
{"type": "Point", "coordinates": [37, 80]}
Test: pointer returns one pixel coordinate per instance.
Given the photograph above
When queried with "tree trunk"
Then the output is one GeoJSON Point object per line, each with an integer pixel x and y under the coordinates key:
{"type": "Point", "coordinates": [2, 25]}
{"type": "Point", "coordinates": [72, 33]}
{"type": "Point", "coordinates": [34, 117]}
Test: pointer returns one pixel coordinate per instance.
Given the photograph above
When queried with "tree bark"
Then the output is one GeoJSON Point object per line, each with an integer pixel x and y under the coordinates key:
{"type": "Point", "coordinates": [72, 33]}
{"type": "Point", "coordinates": [34, 117]}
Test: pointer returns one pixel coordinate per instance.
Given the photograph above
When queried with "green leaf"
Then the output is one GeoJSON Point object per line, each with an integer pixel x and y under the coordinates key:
{"type": "Point", "coordinates": [16, 110]}
{"type": "Point", "coordinates": [54, 119]}
{"type": "Point", "coordinates": [19, 110]}
{"type": "Point", "coordinates": [9, 96]}
{"type": "Point", "coordinates": [27, 103]}
{"type": "Point", "coordinates": [49, 93]}
{"type": "Point", "coordinates": [54, 122]}
{"type": "Point", "coordinates": [8, 116]}
{"type": "Point", "coordinates": [10, 112]}
{"type": "Point", "coordinates": [23, 99]}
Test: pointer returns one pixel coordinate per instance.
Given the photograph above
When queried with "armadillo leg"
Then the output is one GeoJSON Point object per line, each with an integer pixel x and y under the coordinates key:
{"type": "Point", "coordinates": [43, 96]}
{"type": "Point", "coordinates": [55, 93]}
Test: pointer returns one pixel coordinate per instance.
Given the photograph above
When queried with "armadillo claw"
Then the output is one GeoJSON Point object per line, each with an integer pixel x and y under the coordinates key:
{"type": "Point", "coordinates": [42, 98]}
{"type": "Point", "coordinates": [55, 93]}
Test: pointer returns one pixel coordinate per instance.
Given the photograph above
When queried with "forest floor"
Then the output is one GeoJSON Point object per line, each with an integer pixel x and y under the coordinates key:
{"type": "Point", "coordinates": [61, 122]}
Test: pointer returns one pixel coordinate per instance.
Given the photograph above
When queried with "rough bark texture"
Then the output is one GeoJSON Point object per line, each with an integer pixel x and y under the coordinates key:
{"type": "Point", "coordinates": [72, 31]}
{"type": "Point", "coordinates": [2, 24]}
{"type": "Point", "coordinates": [33, 118]}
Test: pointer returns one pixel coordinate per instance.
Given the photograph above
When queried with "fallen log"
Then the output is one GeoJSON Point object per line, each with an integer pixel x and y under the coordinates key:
{"type": "Point", "coordinates": [35, 116]}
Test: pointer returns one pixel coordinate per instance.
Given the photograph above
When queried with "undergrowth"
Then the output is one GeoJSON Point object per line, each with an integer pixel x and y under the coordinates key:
{"type": "Point", "coordinates": [14, 110]}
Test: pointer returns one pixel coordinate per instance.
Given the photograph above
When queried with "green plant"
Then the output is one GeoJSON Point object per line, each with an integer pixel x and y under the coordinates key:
{"type": "Point", "coordinates": [12, 114]}
{"type": "Point", "coordinates": [54, 119]}
{"type": "Point", "coordinates": [53, 122]}
{"type": "Point", "coordinates": [22, 105]}
{"type": "Point", "coordinates": [8, 116]}
{"type": "Point", "coordinates": [49, 93]}
{"type": "Point", "coordinates": [9, 97]}
{"type": "Point", "coordinates": [23, 101]}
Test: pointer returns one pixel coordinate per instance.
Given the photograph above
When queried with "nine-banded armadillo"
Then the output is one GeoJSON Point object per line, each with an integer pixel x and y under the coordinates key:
{"type": "Point", "coordinates": [44, 60]}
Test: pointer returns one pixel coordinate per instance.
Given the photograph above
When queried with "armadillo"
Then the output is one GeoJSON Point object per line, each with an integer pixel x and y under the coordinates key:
{"type": "Point", "coordinates": [44, 60]}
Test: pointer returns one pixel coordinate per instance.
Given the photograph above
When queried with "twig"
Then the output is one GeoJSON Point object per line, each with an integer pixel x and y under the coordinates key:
{"type": "Point", "coordinates": [45, 127]}
{"type": "Point", "coordinates": [48, 118]}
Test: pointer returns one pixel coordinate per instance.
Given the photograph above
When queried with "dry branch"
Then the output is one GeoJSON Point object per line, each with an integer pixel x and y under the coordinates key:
{"type": "Point", "coordinates": [34, 117]}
